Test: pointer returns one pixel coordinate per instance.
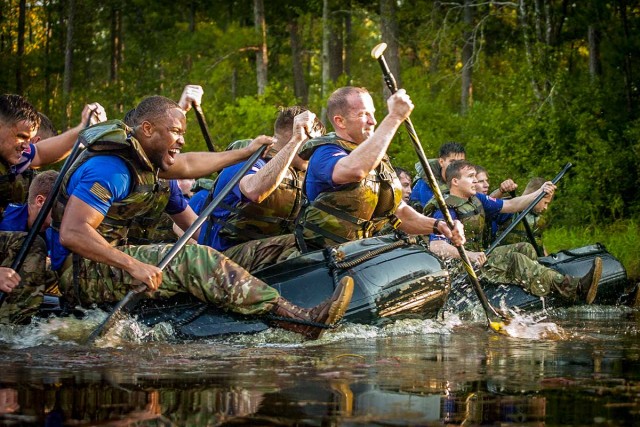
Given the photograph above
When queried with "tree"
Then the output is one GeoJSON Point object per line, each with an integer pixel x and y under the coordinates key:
{"type": "Point", "coordinates": [262, 60]}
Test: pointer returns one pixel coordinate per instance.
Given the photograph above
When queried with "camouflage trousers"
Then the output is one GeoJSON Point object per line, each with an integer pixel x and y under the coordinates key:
{"type": "Point", "coordinates": [24, 301]}
{"type": "Point", "coordinates": [199, 270]}
{"type": "Point", "coordinates": [518, 264]}
{"type": "Point", "coordinates": [257, 254]}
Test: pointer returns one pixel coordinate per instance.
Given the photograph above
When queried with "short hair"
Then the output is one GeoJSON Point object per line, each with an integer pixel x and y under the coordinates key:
{"type": "Point", "coordinates": [129, 117]}
{"type": "Point", "coordinates": [338, 103]}
{"type": "Point", "coordinates": [152, 108]}
{"type": "Point", "coordinates": [14, 108]}
{"type": "Point", "coordinates": [46, 129]}
{"type": "Point", "coordinates": [533, 185]}
{"type": "Point", "coordinates": [284, 121]}
{"type": "Point", "coordinates": [41, 185]}
{"type": "Point", "coordinates": [451, 147]}
{"type": "Point", "coordinates": [480, 169]}
{"type": "Point", "coordinates": [454, 170]}
{"type": "Point", "coordinates": [400, 171]}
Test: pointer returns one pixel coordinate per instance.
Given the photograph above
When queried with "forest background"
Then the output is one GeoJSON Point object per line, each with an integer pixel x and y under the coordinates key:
{"type": "Point", "coordinates": [525, 85]}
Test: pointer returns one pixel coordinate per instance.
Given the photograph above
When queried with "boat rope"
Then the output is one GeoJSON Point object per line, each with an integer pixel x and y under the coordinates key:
{"type": "Point", "coordinates": [369, 255]}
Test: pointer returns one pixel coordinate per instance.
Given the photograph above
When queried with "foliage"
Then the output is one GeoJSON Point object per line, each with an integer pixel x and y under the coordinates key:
{"type": "Point", "coordinates": [536, 102]}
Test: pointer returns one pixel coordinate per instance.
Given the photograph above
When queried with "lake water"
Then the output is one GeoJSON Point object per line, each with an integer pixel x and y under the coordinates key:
{"type": "Point", "coordinates": [578, 366]}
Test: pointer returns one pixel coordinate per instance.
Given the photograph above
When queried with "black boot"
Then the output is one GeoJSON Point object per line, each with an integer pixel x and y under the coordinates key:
{"type": "Point", "coordinates": [327, 312]}
{"type": "Point", "coordinates": [588, 284]}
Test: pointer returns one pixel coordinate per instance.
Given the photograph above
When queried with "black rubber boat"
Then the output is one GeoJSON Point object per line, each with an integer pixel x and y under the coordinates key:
{"type": "Point", "coordinates": [613, 287]}
{"type": "Point", "coordinates": [394, 278]}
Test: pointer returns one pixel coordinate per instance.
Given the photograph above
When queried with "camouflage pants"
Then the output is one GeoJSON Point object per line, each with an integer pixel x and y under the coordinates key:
{"type": "Point", "coordinates": [518, 264]}
{"type": "Point", "coordinates": [257, 254]}
{"type": "Point", "coordinates": [199, 270]}
{"type": "Point", "coordinates": [23, 301]}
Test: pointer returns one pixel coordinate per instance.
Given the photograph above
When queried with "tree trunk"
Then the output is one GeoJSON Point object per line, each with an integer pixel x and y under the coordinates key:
{"type": "Point", "coordinates": [262, 59]}
{"type": "Point", "coordinates": [299, 84]}
{"type": "Point", "coordinates": [524, 24]}
{"type": "Point", "coordinates": [336, 46]}
{"type": "Point", "coordinates": [389, 30]}
{"type": "Point", "coordinates": [348, 42]}
{"type": "Point", "coordinates": [595, 66]}
{"type": "Point", "coordinates": [326, 29]}
{"type": "Point", "coordinates": [22, 11]}
{"type": "Point", "coordinates": [116, 41]}
{"type": "Point", "coordinates": [68, 60]}
{"type": "Point", "coordinates": [467, 58]}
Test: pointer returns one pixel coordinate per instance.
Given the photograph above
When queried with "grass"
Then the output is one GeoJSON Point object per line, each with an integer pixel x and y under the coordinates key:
{"type": "Point", "coordinates": [621, 238]}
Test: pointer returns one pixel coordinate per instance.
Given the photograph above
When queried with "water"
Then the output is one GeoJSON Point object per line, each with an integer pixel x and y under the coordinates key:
{"type": "Point", "coordinates": [578, 366]}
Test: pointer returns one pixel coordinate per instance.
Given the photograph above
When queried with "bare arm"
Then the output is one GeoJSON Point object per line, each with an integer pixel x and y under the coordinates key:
{"type": "Point", "coordinates": [58, 147]}
{"type": "Point", "coordinates": [78, 234]}
{"type": "Point", "coordinates": [367, 156]}
{"type": "Point", "coordinates": [518, 204]}
{"type": "Point", "coordinates": [445, 250]}
{"type": "Point", "coordinates": [416, 223]}
{"type": "Point", "coordinates": [9, 279]}
{"type": "Point", "coordinates": [257, 187]}
{"type": "Point", "coordinates": [183, 220]}
{"type": "Point", "coordinates": [199, 164]}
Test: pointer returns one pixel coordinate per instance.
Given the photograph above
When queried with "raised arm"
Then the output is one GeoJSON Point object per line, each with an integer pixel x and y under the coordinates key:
{"type": "Point", "coordinates": [58, 147]}
{"type": "Point", "coordinates": [367, 156]}
{"type": "Point", "coordinates": [257, 187]}
{"type": "Point", "coordinates": [199, 164]}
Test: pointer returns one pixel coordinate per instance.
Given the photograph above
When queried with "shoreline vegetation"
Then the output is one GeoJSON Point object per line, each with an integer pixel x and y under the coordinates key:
{"type": "Point", "coordinates": [621, 238]}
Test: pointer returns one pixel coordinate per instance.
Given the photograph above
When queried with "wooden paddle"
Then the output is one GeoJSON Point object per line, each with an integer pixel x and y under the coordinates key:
{"type": "Point", "coordinates": [494, 319]}
{"type": "Point", "coordinates": [203, 126]}
{"type": "Point", "coordinates": [133, 295]}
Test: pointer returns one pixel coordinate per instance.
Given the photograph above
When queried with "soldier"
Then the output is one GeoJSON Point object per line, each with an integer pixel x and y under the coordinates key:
{"type": "Point", "coordinates": [113, 181]}
{"type": "Point", "coordinates": [517, 263]}
{"type": "Point", "coordinates": [19, 123]}
{"type": "Point", "coordinates": [253, 226]}
{"type": "Point", "coordinates": [352, 188]}
{"type": "Point", "coordinates": [405, 180]}
{"type": "Point", "coordinates": [421, 193]}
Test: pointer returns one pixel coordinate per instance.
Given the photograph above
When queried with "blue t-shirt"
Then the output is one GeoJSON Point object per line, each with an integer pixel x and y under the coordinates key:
{"type": "Point", "coordinates": [197, 201]}
{"type": "Point", "coordinates": [25, 160]}
{"type": "Point", "coordinates": [100, 182]}
{"type": "Point", "coordinates": [491, 206]}
{"type": "Point", "coordinates": [234, 197]}
{"type": "Point", "coordinates": [15, 217]}
{"type": "Point", "coordinates": [421, 193]}
{"type": "Point", "coordinates": [320, 170]}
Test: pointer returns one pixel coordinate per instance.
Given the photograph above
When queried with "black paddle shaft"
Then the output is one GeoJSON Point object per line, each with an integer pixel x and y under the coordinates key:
{"type": "Point", "coordinates": [391, 84]}
{"type": "Point", "coordinates": [524, 213]}
{"type": "Point", "coordinates": [182, 241]}
{"type": "Point", "coordinates": [203, 126]}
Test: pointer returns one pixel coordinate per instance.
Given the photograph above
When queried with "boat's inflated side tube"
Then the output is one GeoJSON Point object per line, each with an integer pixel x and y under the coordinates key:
{"type": "Point", "coordinates": [393, 279]}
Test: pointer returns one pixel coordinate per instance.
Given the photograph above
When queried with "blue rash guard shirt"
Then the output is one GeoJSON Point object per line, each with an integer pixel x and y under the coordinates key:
{"type": "Point", "coordinates": [319, 176]}
{"type": "Point", "coordinates": [421, 193]}
{"type": "Point", "coordinates": [234, 197]}
{"type": "Point", "coordinates": [111, 173]}
{"type": "Point", "coordinates": [15, 217]}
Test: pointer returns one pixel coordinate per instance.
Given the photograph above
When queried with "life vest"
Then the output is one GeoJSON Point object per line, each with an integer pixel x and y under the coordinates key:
{"type": "Point", "coordinates": [519, 232]}
{"type": "Point", "coordinates": [274, 216]}
{"type": "Point", "coordinates": [470, 213]}
{"type": "Point", "coordinates": [149, 195]}
{"type": "Point", "coordinates": [434, 164]}
{"type": "Point", "coordinates": [13, 187]}
{"type": "Point", "coordinates": [355, 211]}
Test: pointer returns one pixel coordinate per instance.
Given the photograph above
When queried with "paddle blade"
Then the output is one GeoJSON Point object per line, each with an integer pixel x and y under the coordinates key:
{"type": "Point", "coordinates": [378, 50]}
{"type": "Point", "coordinates": [116, 314]}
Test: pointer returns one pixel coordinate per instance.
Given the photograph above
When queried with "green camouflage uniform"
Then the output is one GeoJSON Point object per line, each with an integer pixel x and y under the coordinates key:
{"type": "Point", "coordinates": [516, 263]}
{"type": "Point", "coordinates": [356, 211]}
{"type": "Point", "coordinates": [197, 269]}
{"type": "Point", "coordinates": [519, 232]}
{"type": "Point", "coordinates": [257, 254]}
{"type": "Point", "coordinates": [24, 300]}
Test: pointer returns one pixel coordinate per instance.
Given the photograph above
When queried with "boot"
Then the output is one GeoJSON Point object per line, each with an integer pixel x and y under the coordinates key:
{"type": "Point", "coordinates": [588, 284]}
{"type": "Point", "coordinates": [586, 287]}
{"type": "Point", "coordinates": [327, 312]}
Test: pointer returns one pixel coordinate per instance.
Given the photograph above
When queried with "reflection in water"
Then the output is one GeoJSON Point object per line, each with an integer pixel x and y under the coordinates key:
{"type": "Point", "coordinates": [412, 373]}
